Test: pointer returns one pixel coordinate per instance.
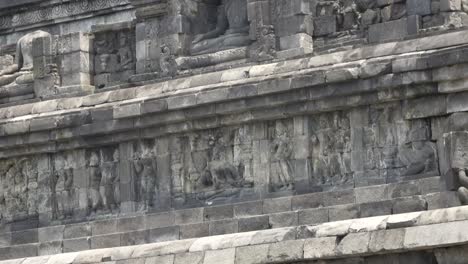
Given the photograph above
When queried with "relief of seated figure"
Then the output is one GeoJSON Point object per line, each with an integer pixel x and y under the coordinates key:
{"type": "Point", "coordinates": [20, 72]}
{"type": "Point", "coordinates": [232, 29]}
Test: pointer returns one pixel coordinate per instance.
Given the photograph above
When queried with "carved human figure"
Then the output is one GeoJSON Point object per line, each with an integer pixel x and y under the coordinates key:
{"type": "Point", "coordinates": [145, 169]}
{"type": "Point", "coordinates": [61, 196]}
{"type": "Point", "coordinates": [463, 189]}
{"type": "Point", "coordinates": [460, 167]}
{"type": "Point", "coordinates": [419, 155]}
{"type": "Point", "coordinates": [95, 174]}
{"type": "Point", "coordinates": [231, 30]}
{"type": "Point", "coordinates": [21, 71]}
{"type": "Point", "coordinates": [125, 54]}
{"type": "Point", "coordinates": [222, 172]}
{"type": "Point", "coordinates": [110, 182]}
{"type": "Point", "coordinates": [17, 190]}
{"type": "Point", "coordinates": [282, 151]}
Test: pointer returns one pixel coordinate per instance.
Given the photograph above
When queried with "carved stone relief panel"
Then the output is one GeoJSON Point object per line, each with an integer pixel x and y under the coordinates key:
{"type": "Point", "coordinates": [331, 149]}
{"type": "Point", "coordinates": [211, 165]}
{"type": "Point", "coordinates": [20, 190]}
{"type": "Point", "coordinates": [115, 57]}
{"type": "Point", "coordinates": [145, 174]}
{"type": "Point", "coordinates": [281, 176]}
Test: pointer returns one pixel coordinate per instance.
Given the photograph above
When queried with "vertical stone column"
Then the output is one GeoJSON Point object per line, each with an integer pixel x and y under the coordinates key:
{"type": "Point", "coordinates": [161, 32]}
{"type": "Point", "coordinates": [76, 66]}
{"type": "Point", "coordinates": [302, 154]}
{"type": "Point", "coordinates": [46, 77]}
{"type": "Point", "coordinates": [293, 26]}
{"type": "Point", "coordinates": [128, 187]}
{"type": "Point", "coordinates": [261, 30]}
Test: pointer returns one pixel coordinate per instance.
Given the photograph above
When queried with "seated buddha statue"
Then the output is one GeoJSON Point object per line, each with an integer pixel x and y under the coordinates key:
{"type": "Point", "coordinates": [21, 72]}
{"type": "Point", "coordinates": [232, 29]}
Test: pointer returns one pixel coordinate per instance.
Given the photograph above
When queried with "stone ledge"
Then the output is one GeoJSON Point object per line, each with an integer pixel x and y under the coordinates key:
{"type": "Point", "coordinates": [432, 230]}
{"type": "Point", "coordinates": [228, 219]}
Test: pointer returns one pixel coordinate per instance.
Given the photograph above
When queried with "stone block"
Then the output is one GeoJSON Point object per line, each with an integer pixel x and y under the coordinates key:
{"type": "Point", "coordinates": [418, 7]}
{"type": "Point", "coordinates": [134, 238]}
{"type": "Point", "coordinates": [450, 5]}
{"type": "Point", "coordinates": [252, 254]}
{"type": "Point", "coordinates": [276, 205]}
{"type": "Point", "coordinates": [153, 106]}
{"type": "Point", "coordinates": [403, 220]}
{"type": "Point", "coordinates": [224, 256]}
{"type": "Point", "coordinates": [324, 25]}
{"type": "Point", "coordinates": [24, 237]}
{"type": "Point", "coordinates": [178, 102]}
{"type": "Point", "coordinates": [313, 216]}
{"type": "Point", "coordinates": [218, 212]}
{"type": "Point", "coordinates": [248, 209]}
{"type": "Point", "coordinates": [253, 223]}
{"type": "Point", "coordinates": [212, 96]}
{"type": "Point", "coordinates": [318, 248]}
{"type": "Point", "coordinates": [287, 26]}
{"type": "Point", "coordinates": [386, 240]}
{"type": "Point", "coordinates": [286, 251]}
{"type": "Point", "coordinates": [163, 234]}
{"type": "Point", "coordinates": [371, 194]}
{"type": "Point", "coordinates": [391, 30]}
{"type": "Point", "coordinates": [126, 111]}
{"type": "Point", "coordinates": [343, 212]}
{"type": "Point", "coordinates": [436, 235]}
{"type": "Point", "coordinates": [223, 227]}
{"type": "Point", "coordinates": [190, 257]}
{"type": "Point", "coordinates": [77, 230]}
{"type": "Point", "coordinates": [307, 201]}
{"type": "Point", "coordinates": [301, 40]}
{"type": "Point", "coordinates": [54, 233]}
{"type": "Point", "coordinates": [169, 259]}
{"type": "Point", "coordinates": [130, 223]}
{"type": "Point", "coordinates": [376, 208]}
{"type": "Point", "coordinates": [104, 227]}
{"type": "Point", "coordinates": [75, 245]}
{"type": "Point", "coordinates": [411, 204]}
{"type": "Point", "coordinates": [50, 248]}
{"type": "Point", "coordinates": [188, 216]}
{"type": "Point", "coordinates": [425, 107]}
{"type": "Point", "coordinates": [284, 219]}
{"type": "Point", "coordinates": [338, 197]}
{"type": "Point", "coordinates": [105, 241]}
{"type": "Point", "coordinates": [194, 230]}
{"type": "Point", "coordinates": [159, 220]}
{"type": "Point", "coordinates": [354, 243]}
{"type": "Point", "coordinates": [442, 200]}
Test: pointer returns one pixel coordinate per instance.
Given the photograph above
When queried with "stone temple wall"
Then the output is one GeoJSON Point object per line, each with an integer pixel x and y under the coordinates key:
{"type": "Point", "coordinates": [131, 122]}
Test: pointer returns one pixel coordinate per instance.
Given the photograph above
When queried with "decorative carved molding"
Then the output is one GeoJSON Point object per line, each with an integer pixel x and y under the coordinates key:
{"type": "Point", "coordinates": [58, 11]}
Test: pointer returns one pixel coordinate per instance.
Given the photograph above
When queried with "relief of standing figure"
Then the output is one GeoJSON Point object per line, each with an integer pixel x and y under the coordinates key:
{"type": "Point", "coordinates": [145, 169]}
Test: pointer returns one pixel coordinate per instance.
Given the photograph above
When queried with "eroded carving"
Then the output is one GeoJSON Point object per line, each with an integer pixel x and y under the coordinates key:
{"type": "Point", "coordinates": [145, 168]}
{"type": "Point", "coordinates": [281, 167]}
{"type": "Point", "coordinates": [265, 46]}
{"type": "Point", "coordinates": [419, 155]}
{"type": "Point", "coordinates": [331, 149]}
{"type": "Point", "coordinates": [231, 29]}
{"type": "Point", "coordinates": [18, 78]}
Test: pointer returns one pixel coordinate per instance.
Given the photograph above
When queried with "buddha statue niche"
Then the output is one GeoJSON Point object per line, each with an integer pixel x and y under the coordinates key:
{"type": "Point", "coordinates": [21, 71]}
{"type": "Point", "coordinates": [232, 29]}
